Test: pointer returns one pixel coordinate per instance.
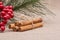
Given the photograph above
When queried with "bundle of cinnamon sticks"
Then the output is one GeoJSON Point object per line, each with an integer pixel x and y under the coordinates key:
{"type": "Point", "coordinates": [26, 25]}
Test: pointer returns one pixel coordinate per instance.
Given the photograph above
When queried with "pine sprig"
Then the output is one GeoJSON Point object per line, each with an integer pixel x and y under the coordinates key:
{"type": "Point", "coordinates": [22, 5]}
{"type": "Point", "coordinates": [18, 4]}
{"type": "Point", "coordinates": [25, 3]}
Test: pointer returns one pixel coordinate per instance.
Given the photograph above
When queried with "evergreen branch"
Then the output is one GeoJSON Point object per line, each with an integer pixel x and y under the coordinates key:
{"type": "Point", "coordinates": [46, 8]}
{"type": "Point", "coordinates": [35, 11]}
{"type": "Point", "coordinates": [17, 5]}
{"type": "Point", "coordinates": [24, 4]}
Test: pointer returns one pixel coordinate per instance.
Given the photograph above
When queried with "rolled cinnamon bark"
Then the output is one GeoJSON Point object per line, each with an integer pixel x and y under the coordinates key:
{"type": "Point", "coordinates": [11, 26]}
{"type": "Point", "coordinates": [28, 27]}
{"type": "Point", "coordinates": [18, 23]}
{"type": "Point", "coordinates": [16, 28]}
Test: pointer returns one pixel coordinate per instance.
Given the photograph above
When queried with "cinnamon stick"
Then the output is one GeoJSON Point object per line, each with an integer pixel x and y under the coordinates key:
{"type": "Point", "coordinates": [16, 28]}
{"type": "Point", "coordinates": [18, 23]}
{"type": "Point", "coordinates": [28, 27]}
{"type": "Point", "coordinates": [11, 26]}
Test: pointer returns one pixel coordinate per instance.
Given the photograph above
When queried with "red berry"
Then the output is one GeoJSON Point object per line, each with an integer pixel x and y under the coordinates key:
{"type": "Point", "coordinates": [1, 3]}
{"type": "Point", "coordinates": [3, 13]}
{"type": "Point", "coordinates": [2, 28]}
{"type": "Point", "coordinates": [5, 21]}
{"type": "Point", "coordinates": [2, 24]}
{"type": "Point", "coordinates": [6, 17]}
{"type": "Point", "coordinates": [7, 7]}
{"type": "Point", "coordinates": [12, 15]}
{"type": "Point", "coordinates": [6, 10]}
{"type": "Point", "coordinates": [1, 6]}
{"type": "Point", "coordinates": [9, 13]}
{"type": "Point", "coordinates": [10, 10]}
{"type": "Point", "coordinates": [10, 7]}
{"type": "Point", "coordinates": [0, 15]}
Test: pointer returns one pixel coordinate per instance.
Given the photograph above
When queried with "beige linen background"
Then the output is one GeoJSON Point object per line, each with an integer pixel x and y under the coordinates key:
{"type": "Point", "coordinates": [50, 31]}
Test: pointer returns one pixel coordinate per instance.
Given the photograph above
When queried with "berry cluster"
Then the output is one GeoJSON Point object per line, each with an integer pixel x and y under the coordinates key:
{"type": "Point", "coordinates": [6, 13]}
